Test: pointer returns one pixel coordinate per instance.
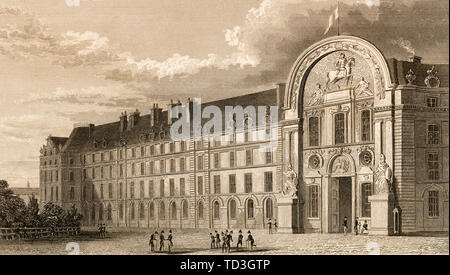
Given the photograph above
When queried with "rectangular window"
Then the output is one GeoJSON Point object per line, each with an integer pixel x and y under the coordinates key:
{"type": "Point", "coordinates": [200, 185]}
{"type": "Point", "coordinates": [72, 193]}
{"type": "Point", "coordinates": [182, 145]}
{"type": "Point", "coordinates": [162, 166]}
{"type": "Point", "coordinates": [152, 150]}
{"type": "Point", "coordinates": [182, 164]}
{"type": "Point", "coordinates": [120, 190]}
{"type": "Point", "coordinates": [102, 157]}
{"type": "Point", "coordinates": [172, 187]}
{"type": "Point", "coordinates": [151, 167]}
{"type": "Point", "coordinates": [133, 152]}
{"type": "Point", "coordinates": [433, 203]}
{"type": "Point", "coordinates": [268, 157]}
{"type": "Point", "coordinates": [366, 189]}
{"type": "Point", "coordinates": [121, 170]}
{"type": "Point", "coordinates": [182, 187]}
{"type": "Point", "coordinates": [71, 175]}
{"type": "Point", "coordinates": [142, 151]}
{"type": "Point", "coordinates": [268, 182]}
{"type": "Point", "coordinates": [432, 102]}
{"type": "Point", "coordinates": [141, 189]}
{"type": "Point", "coordinates": [111, 173]}
{"type": "Point", "coordinates": [93, 158]}
{"type": "Point", "coordinates": [433, 165]}
{"type": "Point", "coordinates": [161, 188]}
{"type": "Point", "coordinates": [101, 191]}
{"type": "Point", "coordinates": [172, 147]}
{"type": "Point", "coordinates": [313, 131]}
{"type": "Point", "coordinates": [216, 160]}
{"type": "Point", "coordinates": [433, 134]}
{"type": "Point", "coordinates": [93, 172]}
{"type": "Point", "coordinates": [133, 169]}
{"type": "Point", "coordinates": [121, 153]}
{"type": "Point", "coordinates": [200, 162]}
{"type": "Point", "coordinates": [339, 128]}
{"type": "Point", "coordinates": [142, 168]}
{"type": "Point", "coordinates": [232, 161]}
{"type": "Point", "coordinates": [162, 149]}
{"type": "Point", "coordinates": [313, 201]}
{"type": "Point", "coordinates": [151, 189]}
{"type": "Point", "coordinates": [111, 155]}
{"type": "Point", "coordinates": [248, 157]}
{"type": "Point", "coordinates": [101, 172]}
{"type": "Point", "coordinates": [110, 190]}
{"type": "Point", "coordinates": [172, 165]}
{"type": "Point", "coordinates": [232, 181]}
{"type": "Point", "coordinates": [216, 184]}
{"type": "Point", "coordinates": [132, 190]}
{"type": "Point", "coordinates": [248, 183]}
{"type": "Point", "coordinates": [365, 125]}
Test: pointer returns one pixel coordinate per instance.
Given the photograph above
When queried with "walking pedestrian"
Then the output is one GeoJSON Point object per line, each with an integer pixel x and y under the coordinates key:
{"type": "Point", "coordinates": [224, 242]}
{"type": "Point", "coordinates": [356, 225]}
{"type": "Point", "coordinates": [170, 238]}
{"type": "Point", "coordinates": [229, 241]}
{"type": "Point", "coordinates": [217, 239]}
{"type": "Point", "coordinates": [270, 226]}
{"type": "Point", "coordinates": [213, 240]}
{"type": "Point", "coordinates": [240, 238]}
{"type": "Point", "coordinates": [275, 225]}
{"type": "Point", "coordinates": [345, 225]}
{"type": "Point", "coordinates": [152, 241]}
{"type": "Point", "coordinates": [250, 240]}
{"type": "Point", "coordinates": [161, 241]}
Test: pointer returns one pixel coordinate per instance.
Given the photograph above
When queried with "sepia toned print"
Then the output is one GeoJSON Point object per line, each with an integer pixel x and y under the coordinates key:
{"type": "Point", "coordinates": [224, 127]}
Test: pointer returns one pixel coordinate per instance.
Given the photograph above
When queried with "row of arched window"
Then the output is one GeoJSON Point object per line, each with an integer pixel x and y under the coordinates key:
{"type": "Point", "coordinates": [232, 210]}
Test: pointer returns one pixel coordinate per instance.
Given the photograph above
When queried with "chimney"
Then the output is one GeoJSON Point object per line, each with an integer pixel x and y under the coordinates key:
{"type": "Point", "coordinates": [171, 119]}
{"type": "Point", "coordinates": [415, 59]}
{"type": "Point", "coordinates": [155, 115]}
{"type": "Point", "coordinates": [123, 121]}
{"type": "Point", "coordinates": [134, 118]}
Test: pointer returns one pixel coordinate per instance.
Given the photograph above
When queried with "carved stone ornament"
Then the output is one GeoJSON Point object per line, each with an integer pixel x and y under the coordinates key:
{"type": "Point", "coordinates": [289, 187]}
{"type": "Point", "coordinates": [432, 81]}
{"type": "Point", "coordinates": [383, 177]}
{"type": "Point", "coordinates": [314, 162]}
{"type": "Point", "coordinates": [410, 77]}
{"type": "Point", "coordinates": [341, 165]}
{"type": "Point", "coordinates": [352, 46]}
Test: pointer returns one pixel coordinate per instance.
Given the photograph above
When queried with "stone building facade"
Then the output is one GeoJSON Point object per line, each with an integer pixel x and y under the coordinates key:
{"type": "Point", "coordinates": [343, 108]}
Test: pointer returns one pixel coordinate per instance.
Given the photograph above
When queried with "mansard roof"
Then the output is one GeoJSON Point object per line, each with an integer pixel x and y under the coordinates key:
{"type": "Point", "coordinates": [399, 69]}
{"type": "Point", "coordinates": [108, 136]}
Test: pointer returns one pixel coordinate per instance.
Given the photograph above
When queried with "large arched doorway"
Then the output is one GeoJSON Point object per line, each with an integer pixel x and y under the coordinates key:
{"type": "Point", "coordinates": [331, 91]}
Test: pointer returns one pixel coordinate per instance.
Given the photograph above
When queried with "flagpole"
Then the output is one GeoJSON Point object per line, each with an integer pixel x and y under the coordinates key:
{"type": "Point", "coordinates": [338, 17]}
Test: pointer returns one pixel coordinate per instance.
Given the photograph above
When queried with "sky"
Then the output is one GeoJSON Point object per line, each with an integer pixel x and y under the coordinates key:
{"type": "Point", "coordinates": [63, 63]}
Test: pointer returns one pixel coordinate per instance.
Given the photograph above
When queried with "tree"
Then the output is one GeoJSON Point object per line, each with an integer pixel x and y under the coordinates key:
{"type": "Point", "coordinates": [31, 217]}
{"type": "Point", "coordinates": [12, 208]}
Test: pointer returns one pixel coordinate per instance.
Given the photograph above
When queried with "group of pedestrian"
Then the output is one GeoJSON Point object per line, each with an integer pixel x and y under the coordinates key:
{"type": "Point", "coordinates": [273, 224]}
{"type": "Point", "coordinates": [102, 230]}
{"type": "Point", "coordinates": [154, 238]}
{"type": "Point", "coordinates": [358, 228]}
{"type": "Point", "coordinates": [224, 240]}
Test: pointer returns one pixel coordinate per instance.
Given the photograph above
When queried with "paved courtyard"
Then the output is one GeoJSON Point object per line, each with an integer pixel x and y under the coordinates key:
{"type": "Point", "coordinates": [121, 241]}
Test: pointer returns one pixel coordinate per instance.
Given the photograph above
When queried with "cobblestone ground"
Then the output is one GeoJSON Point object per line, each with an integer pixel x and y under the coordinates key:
{"type": "Point", "coordinates": [198, 242]}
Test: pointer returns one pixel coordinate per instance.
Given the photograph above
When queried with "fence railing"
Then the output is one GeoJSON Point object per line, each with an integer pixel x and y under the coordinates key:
{"type": "Point", "coordinates": [37, 232]}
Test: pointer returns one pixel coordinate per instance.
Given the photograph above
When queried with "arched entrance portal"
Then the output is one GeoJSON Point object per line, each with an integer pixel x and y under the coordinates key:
{"type": "Point", "coordinates": [329, 119]}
